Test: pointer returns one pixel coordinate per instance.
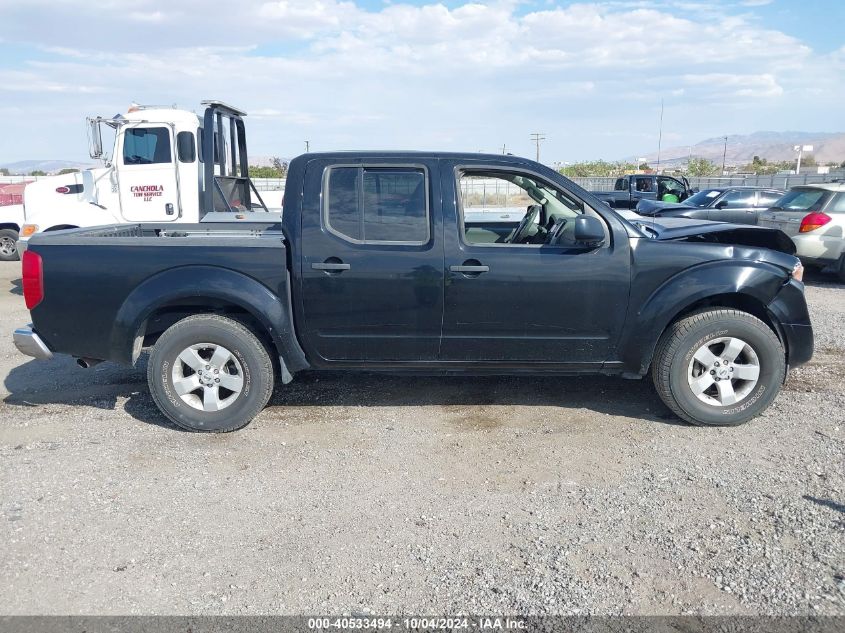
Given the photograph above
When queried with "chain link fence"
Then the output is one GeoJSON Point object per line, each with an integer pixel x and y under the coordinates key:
{"type": "Point", "coordinates": [776, 181]}
{"type": "Point", "coordinates": [781, 181]}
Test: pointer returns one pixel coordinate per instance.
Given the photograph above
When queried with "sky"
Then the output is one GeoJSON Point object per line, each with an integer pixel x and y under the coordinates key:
{"type": "Point", "coordinates": [459, 76]}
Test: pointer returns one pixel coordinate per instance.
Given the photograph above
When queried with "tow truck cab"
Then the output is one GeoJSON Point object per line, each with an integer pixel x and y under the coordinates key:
{"type": "Point", "coordinates": [165, 165]}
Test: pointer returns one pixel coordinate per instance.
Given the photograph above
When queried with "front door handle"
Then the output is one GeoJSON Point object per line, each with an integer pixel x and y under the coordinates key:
{"type": "Point", "coordinates": [470, 269]}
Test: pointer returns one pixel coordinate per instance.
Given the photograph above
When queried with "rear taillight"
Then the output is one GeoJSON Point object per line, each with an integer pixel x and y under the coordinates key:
{"type": "Point", "coordinates": [813, 221]}
{"type": "Point", "coordinates": [33, 279]}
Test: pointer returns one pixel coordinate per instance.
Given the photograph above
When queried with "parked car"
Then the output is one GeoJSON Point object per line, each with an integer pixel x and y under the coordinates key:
{"type": "Point", "coordinates": [629, 190]}
{"type": "Point", "coordinates": [11, 220]}
{"type": "Point", "coordinates": [814, 217]}
{"type": "Point", "coordinates": [740, 205]}
{"type": "Point", "coordinates": [379, 263]}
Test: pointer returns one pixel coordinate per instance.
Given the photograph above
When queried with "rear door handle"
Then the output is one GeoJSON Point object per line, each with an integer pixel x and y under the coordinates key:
{"type": "Point", "coordinates": [469, 269]}
{"type": "Point", "coordinates": [330, 266]}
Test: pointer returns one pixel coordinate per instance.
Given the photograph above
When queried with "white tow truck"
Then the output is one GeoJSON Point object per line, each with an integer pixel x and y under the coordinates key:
{"type": "Point", "coordinates": [166, 165]}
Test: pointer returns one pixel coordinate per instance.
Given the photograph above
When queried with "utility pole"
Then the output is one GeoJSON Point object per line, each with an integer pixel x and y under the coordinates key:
{"type": "Point", "coordinates": [504, 149]}
{"type": "Point", "coordinates": [660, 136]}
{"type": "Point", "coordinates": [801, 149]}
{"type": "Point", "coordinates": [536, 137]}
{"type": "Point", "coordinates": [724, 155]}
{"type": "Point", "coordinates": [307, 146]}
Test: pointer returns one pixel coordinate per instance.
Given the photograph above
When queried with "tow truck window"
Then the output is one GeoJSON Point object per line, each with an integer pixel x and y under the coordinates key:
{"type": "Point", "coordinates": [185, 147]}
{"type": "Point", "coordinates": [377, 204]}
{"type": "Point", "coordinates": [146, 146]}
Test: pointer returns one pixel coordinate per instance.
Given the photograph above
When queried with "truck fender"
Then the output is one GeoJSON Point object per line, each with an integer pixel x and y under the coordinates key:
{"type": "Point", "coordinates": [758, 281]}
{"type": "Point", "coordinates": [193, 282]}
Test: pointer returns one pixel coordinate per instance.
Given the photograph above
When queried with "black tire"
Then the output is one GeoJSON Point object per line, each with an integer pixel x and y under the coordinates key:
{"type": "Point", "coordinates": [673, 367]}
{"type": "Point", "coordinates": [840, 273]}
{"type": "Point", "coordinates": [8, 250]}
{"type": "Point", "coordinates": [248, 359]}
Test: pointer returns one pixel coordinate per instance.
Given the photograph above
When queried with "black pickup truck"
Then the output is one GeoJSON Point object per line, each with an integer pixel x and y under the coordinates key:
{"type": "Point", "coordinates": [629, 190]}
{"type": "Point", "coordinates": [389, 262]}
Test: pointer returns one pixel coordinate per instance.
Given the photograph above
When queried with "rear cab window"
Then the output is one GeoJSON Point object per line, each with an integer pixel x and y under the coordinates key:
{"type": "Point", "coordinates": [377, 204]}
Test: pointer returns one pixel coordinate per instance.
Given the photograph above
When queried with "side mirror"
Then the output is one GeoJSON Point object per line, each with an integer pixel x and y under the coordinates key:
{"type": "Point", "coordinates": [721, 204]}
{"type": "Point", "coordinates": [588, 230]}
{"type": "Point", "coordinates": [95, 139]}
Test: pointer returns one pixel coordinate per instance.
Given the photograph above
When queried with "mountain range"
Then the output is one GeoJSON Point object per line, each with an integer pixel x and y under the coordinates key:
{"type": "Point", "coordinates": [742, 148]}
{"type": "Point", "coordinates": [49, 166]}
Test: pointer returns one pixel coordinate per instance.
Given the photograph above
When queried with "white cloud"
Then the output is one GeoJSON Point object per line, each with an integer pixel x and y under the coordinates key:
{"type": "Point", "coordinates": [418, 76]}
{"type": "Point", "coordinates": [144, 16]}
{"type": "Point", "coordinates": [719, 85]}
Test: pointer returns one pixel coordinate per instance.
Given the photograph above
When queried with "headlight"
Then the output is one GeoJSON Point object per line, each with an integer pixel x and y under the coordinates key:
{"type": "Point", "coordinates": [798, 272]}
{"type": "Point", "coordinates": [29, 229]}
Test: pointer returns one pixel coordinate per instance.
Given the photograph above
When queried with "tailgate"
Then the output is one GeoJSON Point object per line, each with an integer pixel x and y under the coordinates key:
{"type": "Point", "coordinates": [793, 207]}
{"type": "Point", "coordinates": [787, 221]}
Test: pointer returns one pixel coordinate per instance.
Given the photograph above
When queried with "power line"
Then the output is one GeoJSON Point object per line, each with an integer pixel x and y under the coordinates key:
{"type": "Point", "coordinates": [536, 137]}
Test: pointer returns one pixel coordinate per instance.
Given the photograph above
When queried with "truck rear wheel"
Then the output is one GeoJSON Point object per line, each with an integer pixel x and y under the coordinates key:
{"type": "Point", "coordinates": [210, 373]}
{"type": "Point", "coordinates": [718, 367]}
{"type": "Point", "coordinates": [8, 247]}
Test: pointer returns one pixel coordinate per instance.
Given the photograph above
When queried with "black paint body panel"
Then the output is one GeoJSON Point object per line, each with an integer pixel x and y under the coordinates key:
{"type": "Point", "coordinates": [400, 307]}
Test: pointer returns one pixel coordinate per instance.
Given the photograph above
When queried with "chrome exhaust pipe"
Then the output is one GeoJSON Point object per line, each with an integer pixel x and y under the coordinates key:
{"type": "Point", "coordinates": [87, 363]}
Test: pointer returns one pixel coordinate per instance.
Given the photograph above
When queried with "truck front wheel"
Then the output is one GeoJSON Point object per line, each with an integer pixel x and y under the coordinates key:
{"type": "Point", "coordinates": [8, 247]}
{"type": "Point", "coordinates": [210, 373]}
{"type": "Point", "coordinates": [719, 367]}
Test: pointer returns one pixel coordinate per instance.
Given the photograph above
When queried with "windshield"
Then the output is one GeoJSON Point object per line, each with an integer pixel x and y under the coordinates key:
{"type": "Point", "coordinates": [703, 198]}
{"type": "Point", "coordinates": [802, 199]}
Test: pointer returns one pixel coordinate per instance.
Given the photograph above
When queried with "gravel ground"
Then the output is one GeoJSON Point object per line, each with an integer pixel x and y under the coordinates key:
{"type": "Point", "coordinates": [357, 494]}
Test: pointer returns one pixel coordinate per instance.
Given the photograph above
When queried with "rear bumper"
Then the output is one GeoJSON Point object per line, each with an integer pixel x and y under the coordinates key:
{"type": "Point", "coordinates": [820, 248]}
{"type": "Point", "coordinates": [29, 343]}
{"type": "Point", "coordinates": [790, 310]}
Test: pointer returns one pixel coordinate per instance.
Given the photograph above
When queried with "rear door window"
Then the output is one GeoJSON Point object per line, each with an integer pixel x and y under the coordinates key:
{"type": "Point", "coordinates": [768, 198]}
{"type": "Point", "coordinates": [377, 204]}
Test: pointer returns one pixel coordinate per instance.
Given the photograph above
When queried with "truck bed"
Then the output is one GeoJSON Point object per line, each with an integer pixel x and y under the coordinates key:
{"type": "Point", "coordinates": [97, 279]}
{"type": "Point", "coordinates": [135, 232]}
